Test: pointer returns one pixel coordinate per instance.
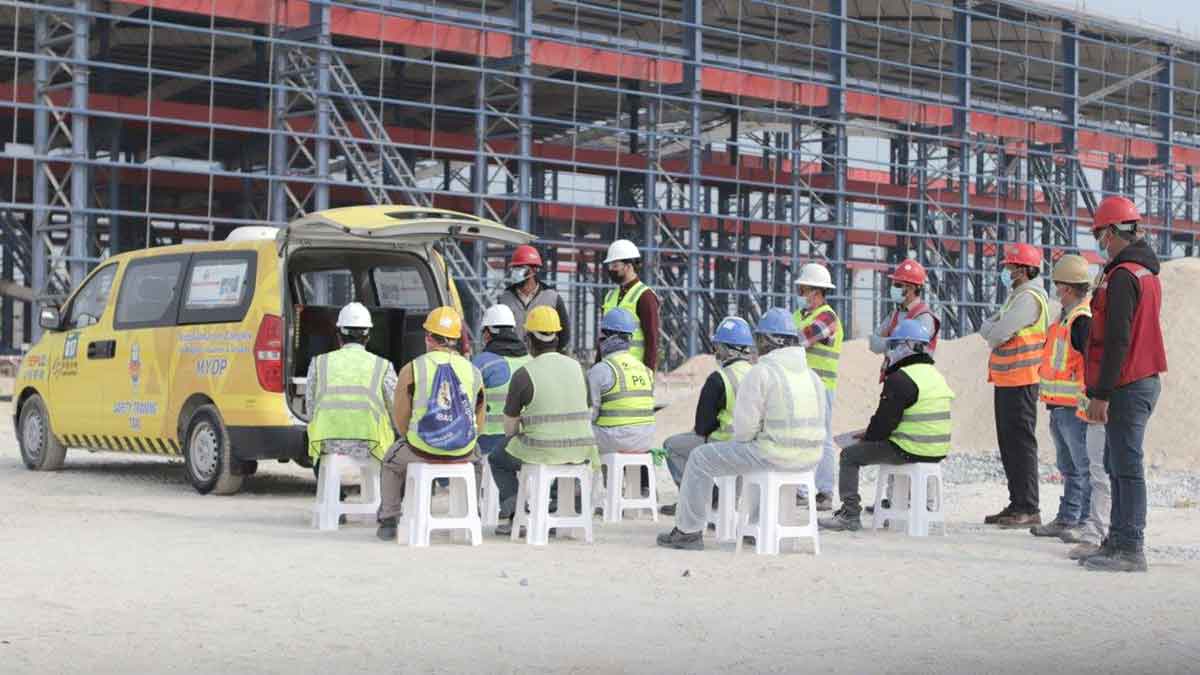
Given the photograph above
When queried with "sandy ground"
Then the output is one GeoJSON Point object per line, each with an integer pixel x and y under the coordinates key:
{"type": "Point", "coordinates": [115, 565]}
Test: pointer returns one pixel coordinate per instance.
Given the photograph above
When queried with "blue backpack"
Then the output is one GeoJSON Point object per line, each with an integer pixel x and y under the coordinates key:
{"type": "Point", "coordinates": [449, 422]}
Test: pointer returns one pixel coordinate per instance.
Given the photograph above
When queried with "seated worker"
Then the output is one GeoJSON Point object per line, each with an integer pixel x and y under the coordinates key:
{"type": "Point", "coordinates": [503, 352]}
{"type": "Point", "coordinates": [440, 410]}
{"type": "Point", "coordinates": [778, 423]}
{"type": "Point", "coordinates": [732, 343]}
{"type": "Point", "coordinates": [911, 424]}
{"type": "Point", "coordinates": [621, 389]}
{"type": "Point", "coordinates": [546, 412]}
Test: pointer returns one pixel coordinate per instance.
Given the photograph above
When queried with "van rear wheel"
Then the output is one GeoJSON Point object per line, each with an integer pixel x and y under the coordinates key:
{"type": "Point", "coordinates": [40, 450]}
{"type": "Point", "coordinates": [208, 455]}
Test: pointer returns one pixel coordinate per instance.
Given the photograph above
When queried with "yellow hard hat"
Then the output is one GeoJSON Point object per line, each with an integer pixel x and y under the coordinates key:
{"type": "Point", "coordinates": [444, 321]}
{"type": "Point", "coordinates": [543, 319]}
{"type": "Point", "coordinates": [1071, 269]}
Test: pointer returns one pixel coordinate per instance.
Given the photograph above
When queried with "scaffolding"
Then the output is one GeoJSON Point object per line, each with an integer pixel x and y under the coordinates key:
{"type": "Point", "coordinates": [733, 140]}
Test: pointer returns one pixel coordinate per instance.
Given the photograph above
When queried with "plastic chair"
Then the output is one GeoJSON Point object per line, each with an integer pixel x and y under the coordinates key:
{"type": "Point", "coordinates": [329, 506]}
{"type": "Point", "coordinates": [622, 484]}
{"type": "Point", "coordinates": [418, 519]}
{"type": "Point", "coordinates": [489, 498]}
{"type": "Point", "coordinates": [910, 503]}
{"type": "Point", "coordinates": [724, 516]}
{"type": "Point", "coordinates": [769, 530]}
{"type": "Point", "coordinates": [534, 490]}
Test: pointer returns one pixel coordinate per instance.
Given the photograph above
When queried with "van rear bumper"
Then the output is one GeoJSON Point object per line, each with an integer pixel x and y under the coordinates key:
{"type": "Point", "coordinates": [254, 443]}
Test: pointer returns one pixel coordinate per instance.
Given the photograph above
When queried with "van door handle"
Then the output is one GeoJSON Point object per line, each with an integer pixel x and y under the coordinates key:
{"type": "Point", "coordinates": [102, 349]}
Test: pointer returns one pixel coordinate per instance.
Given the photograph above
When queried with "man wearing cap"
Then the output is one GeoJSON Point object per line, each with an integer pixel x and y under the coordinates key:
{"type": "Point", "coordinates": [634, 297]}
{"type": "Point", "coordinates": [622, 389]}
{"type": "Point", "coordinates": [1016, 336]}
{"type": "Point", "coordinates": [503, 353]}
{"type": "Point", "coordinates": [525, 290]}
{"type": "Point", "coordinates": [821, 336]}
{"type": "Point", "coordinates": [906, 291]}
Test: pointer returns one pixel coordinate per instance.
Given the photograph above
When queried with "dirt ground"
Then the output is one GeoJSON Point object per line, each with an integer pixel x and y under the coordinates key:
{"type": "Point", "coordinates": [115, 565]}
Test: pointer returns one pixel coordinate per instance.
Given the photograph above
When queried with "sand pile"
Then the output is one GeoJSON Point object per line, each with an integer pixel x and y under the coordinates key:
{"type": "Point", "coordinates": [964, 362]}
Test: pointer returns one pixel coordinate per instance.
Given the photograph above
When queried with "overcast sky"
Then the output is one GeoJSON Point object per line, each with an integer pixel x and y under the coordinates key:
{"type": "Point", "coordinates": [1170, 14]}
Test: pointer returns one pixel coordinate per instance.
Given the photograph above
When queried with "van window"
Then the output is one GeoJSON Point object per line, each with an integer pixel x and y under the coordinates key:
{"type": "Point", "coordinates": [331, 288]}
{"type": "Point", "coordinates": [88, 304]}
{"type": "Point", "coordinates": [219, 287]}
{"type": "Point", "coordinates": [402, 286]}
{"type": "Point", "coordinates": [150, 292]}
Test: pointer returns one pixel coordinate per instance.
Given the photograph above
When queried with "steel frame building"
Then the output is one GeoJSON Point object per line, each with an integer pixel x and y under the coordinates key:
{"type": "Point", "coordinates": [733, 140]}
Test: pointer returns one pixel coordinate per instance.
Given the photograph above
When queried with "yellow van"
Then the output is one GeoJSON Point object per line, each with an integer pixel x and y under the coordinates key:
{"type": "Point", "coordinates": [201, 350]}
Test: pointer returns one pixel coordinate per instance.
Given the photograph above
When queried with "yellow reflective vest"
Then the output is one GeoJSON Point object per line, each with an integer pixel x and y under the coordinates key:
{"type": "Point", "coordinates": [731, 375]}
{"type": "Point", "coordinates": [629, 303]}
{"type": "Point", "coordinates": [630, 399]}
{"type": "Point", "coordinates": [348, 404]}
{"type": "Point", "coordinates": [924, 430]}
{"type": "Point", "coordinates": [822, 358]}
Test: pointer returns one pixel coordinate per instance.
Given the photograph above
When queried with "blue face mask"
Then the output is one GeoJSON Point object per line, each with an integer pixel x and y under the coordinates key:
{"type": "Point", "coordinates": [1006, 277]}
{"type": "Point", "coordinates": [897, 294]}
{"type": "Point", "coordinates": [802, 303]}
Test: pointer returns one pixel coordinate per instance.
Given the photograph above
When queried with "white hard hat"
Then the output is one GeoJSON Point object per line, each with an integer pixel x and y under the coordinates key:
{"type": "Point", "coordinates": [354, 315]}
{"type": "Point", "coordinates": [814, 275]}
{"type": "Point", "coordinates": [622, 249]}
{"type": "Point", "coordinates": [499, 315]}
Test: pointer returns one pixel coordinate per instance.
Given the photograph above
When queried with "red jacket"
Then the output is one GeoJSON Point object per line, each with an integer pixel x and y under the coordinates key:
{"type": "Point", "coordinates": [1144, 354]}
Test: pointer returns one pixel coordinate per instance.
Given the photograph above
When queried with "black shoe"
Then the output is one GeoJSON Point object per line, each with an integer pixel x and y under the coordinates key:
{"type": "Point", "coordinates": [682, 540]}
{"type": "Point", "coordinates": [841, 521]}
{"type": "Point", "coordinates": [1106, 548]}
{"type": "Point", "coordinates": [667, 509]}
{"type": "Point", "coordinates": [824, 502]}
{"type": "Point", "coordinates": [1116, 561]}
{"type": "Point", "coordinates": [387, 529]}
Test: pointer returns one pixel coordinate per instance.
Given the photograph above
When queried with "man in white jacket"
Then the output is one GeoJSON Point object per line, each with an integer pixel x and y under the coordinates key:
{"type": "Point", "coordinates": [778, 423]}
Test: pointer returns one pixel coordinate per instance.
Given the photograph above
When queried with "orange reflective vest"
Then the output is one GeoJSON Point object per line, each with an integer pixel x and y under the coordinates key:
{"type": "Point", "coordinates": [1062, 367]}
{"type": "Point", "coordinates": [1015, 363]}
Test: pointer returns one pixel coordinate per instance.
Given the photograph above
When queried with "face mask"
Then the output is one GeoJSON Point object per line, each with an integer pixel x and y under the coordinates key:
{"type": "Point", "coordinates": [802, 302]}
{"type": "Point", "coordinates": [897, 294]}
{"type": "Point", "coordinates": [518, 275]}
{"type": "Point", "coordinates": [898, 352]}
{"type": "Point", "coordinates": [1102, 242]}
{"type": "Point", "coordinates": [1006, 277]}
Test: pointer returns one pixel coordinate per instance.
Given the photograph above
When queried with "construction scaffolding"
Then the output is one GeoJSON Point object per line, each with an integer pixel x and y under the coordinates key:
{"type": "Point", "coordinates": [733, 140]}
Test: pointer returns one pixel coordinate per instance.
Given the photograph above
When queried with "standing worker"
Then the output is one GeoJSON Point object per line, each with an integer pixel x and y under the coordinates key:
{"type": "Point", "coordinates": [1016, 336]}
{"type": "Point", "coordinates": [502, 354]}
{"type": "Point", "coordinates": [777, 424]}
{"type": "Point", "coordinates": [440, 410]}
{"type": "Point", "coordinates": [621, 388]}
{"type": "Point", "coordinates": [1125, 354]}
{"type": "Point", "coordinates": [821, 336]}
{"type": "Point", "coordinates": [907, 291]}
{"type": "Point", "coordinates": [732, 343]}
{"type": "Point", "coordinates": [1062, 390]}
{"type": "Point", "coordinates": [634, 297]}
{"type": "Point", "coordinates": [525, 290]}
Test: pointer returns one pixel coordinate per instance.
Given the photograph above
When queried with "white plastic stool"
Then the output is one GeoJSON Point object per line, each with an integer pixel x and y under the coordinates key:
{"type": "Point", "coordinates": [489, 498]}
{"type": "Point", "coordinates": [622, 484]}
{"type": "Point", "coordinates": [534, 490]}
{"type": "Point", "coordinates": [329, 506]}
{"type": "Point", "coordinates": [725, 515]}
{"type": "Point", "coordinates": [769, 531]}
{"type": "Point", "coordinates": [418, 519]}
{"type": "Point", "coordinates": [910, 503]}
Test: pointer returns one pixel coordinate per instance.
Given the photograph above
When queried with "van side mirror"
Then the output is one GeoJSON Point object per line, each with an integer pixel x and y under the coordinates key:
{"type": "Point", "coordinates": [50, 319]}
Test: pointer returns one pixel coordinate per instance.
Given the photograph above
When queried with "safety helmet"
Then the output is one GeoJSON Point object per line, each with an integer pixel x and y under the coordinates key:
{"type": "Point", "coordinates": [1115, 210]}
{"type": "Point", "coordinates": [733, 331]}
{"type": "Point", "coordinates": [1072, 269]}
{"type": "Point", "coordinates": [497, 316]}
{"type": "Point", "coordinates": [909, 272]}
{"type": "Point", "coordinates": [354, 315]}
{"type": "Point", "coordinates": [1023, 254]}
{"type": "Point", "coordinates": [776, 321]}
{"type": "Point", "coordinates": [526, 256]}
{"type": "Point", "coordinates": [814, 275]}
{"type": "Point", "coordinates": [444, 321]}
{"type": "Point", "coordinates": [910, 330]}
{"type": "Point", "coordinates": [543, 319]}
{"type": "Point", "coordinates": [617, 320]}
{"type": "Point", "coordinates": [622, 249]}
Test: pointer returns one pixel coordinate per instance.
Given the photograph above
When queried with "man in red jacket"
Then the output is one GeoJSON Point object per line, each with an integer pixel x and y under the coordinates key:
{"type": "Point", "coordinates": [1124, 356]}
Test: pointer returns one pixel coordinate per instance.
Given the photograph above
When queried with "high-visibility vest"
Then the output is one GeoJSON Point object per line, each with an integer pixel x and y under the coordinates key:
{"type": "Point", "coordinates": [822, 358]}
{"type": "Point", "coordinates": [629, 303]}
{"type": "Point", "coordinates": [424, 368]}
{"type": "Point", "coordinates": [630, 399]}
{"type": "Point", "coordinates": [556, 425]}
{"type": "Point", "coordinates": [496, 396]}
{"type": "Point", "coordinates": [793, 431]}
{"type": "Point", "coordinates": [731, 375]}
{"type": "Point", "coordinates": [348, 404]}
{"type": "Point", "coordinates": [1015, 363]}
{"type": "Point", "coordinates": [1062, 366]}
{"type": "Point", "coordinates": [924, 430]}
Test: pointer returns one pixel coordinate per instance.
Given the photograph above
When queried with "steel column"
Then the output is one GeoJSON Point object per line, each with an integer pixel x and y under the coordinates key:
{"type": "Point", "coordinates": [694, 46]}
{"type": "Point", "coordinates": [962, 123]}
{"type": "Point", "coordinates": [837, 113]}
{"type": "Point", "coordinates": [319, 15]}
{"type": "Point", "coordinates": [1164, 123]}
{"type": "Point", "coordinates": [1070, 133]}
{"type": "Point", "coordinates": [523, 18]}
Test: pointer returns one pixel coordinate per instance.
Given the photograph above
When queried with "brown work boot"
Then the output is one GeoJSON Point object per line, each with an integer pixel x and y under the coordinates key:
{"type": "Point", "coordinates": [995, 517]}
{"type": "Point", "coordinates": [1015, 521]}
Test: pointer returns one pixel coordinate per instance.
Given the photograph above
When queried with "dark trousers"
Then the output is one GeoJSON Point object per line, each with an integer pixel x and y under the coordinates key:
{"type": "Point", "coordinates": [1016, 424]}
{"type": "Point", "coordinates": [855, 457]}
{"type": "Point", "coordinates": [1129, 410]}
{"type": "Point", "coordinates": [505, 468]}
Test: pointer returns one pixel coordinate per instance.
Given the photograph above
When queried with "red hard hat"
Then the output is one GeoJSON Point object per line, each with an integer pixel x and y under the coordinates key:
{"type": "Point", "coordinates": [1114, 210]}
{"type": "Point", "coordinates": [1023, 254]}
{"type": "Point", "coordinates": [909, 272]}
{"type": "Point", "coordinates": [526, 255]}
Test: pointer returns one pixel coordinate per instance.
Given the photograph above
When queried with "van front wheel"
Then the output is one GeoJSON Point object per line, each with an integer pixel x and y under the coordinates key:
{"type": "Point", "coordinates": [40, 450]}
{"type": "Point", "coordinates": [207, 454]}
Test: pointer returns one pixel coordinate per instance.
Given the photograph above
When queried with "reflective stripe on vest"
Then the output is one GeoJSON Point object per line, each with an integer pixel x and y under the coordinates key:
{"type": "Point", "coordinates": [556, 424]}
{"type": "Point", "coordinates": [924, 430]}
{"type": "Point", "coordinates": [1062, 367]}
{"type": "Point", "coordinates": [495, 397]}
{"type": "Point", "coordinates": [348, 404]}
{"type": "Point", "coordinates": [793, 431]}
{"type": "Point", "coordinates": [1015, 363]}
{"type": "Point", "coordinates": [629, 302]}
{"type": "Point", "coordinates": [630, 399]}
{"type": "Point", "coordinates": [823, 359]}
{"type": "Point", "coordinates": [424, 368]}
{"type": "Point", "coordinates": [731, 375]}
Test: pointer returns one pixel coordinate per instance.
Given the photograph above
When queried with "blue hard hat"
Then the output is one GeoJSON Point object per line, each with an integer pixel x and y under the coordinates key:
{"type": "Point", "coordinates": [733, 331]}
{"type": "Point", "coordinates": [776, 321]}
{"type": "Point", "coordinates": [910, 329]}
{"type": "Point", "coordinates": [619, 321]}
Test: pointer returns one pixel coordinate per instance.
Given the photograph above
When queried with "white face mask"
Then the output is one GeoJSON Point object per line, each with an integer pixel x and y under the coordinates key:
{"type": "Point", "coordinates": [897, 294]}
{"type": "Point", "coordinates": [518, 275]}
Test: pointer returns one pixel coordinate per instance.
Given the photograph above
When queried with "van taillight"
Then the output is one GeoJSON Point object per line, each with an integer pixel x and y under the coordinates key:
{"type": "Point", "coordinates": [268, 353]}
